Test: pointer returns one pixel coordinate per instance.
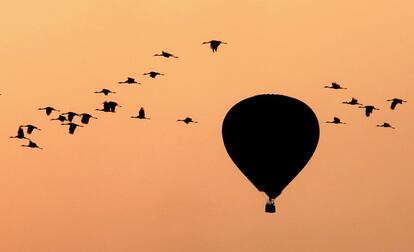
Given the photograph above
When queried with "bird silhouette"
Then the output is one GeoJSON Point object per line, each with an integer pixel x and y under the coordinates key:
{"type": "Point", "coordinates": [187, 120]}
{"type": "Point", "coordinates": [61, 118]}
{"type": "Point", "coordinates": [153, 74]}
{"type": "Point", "coordinates": [369, 109]}
{"type": "Point", "coordinates": [129, 81]}
{"type": "Point", "coordinates": [353, 101]}
{"type": "Point", "coordinates": [112, 106]}
{"type": "Point", "coordinates": [70, 115]}
{"type": "Point", "coordinates": [20, 134]}
{"type": "Point", "coordinates": [32, 145]}
{"type": "Point", "coordinates": [106, 107]}
{"type": "Point", "coordinates": [214, 44]}
{"type": "Point", "coordinates": [166, 54]}
{"type": "Point", "coordinates": [336, 120]}
{"type": "Point", "coordinates": [105, 92]}
{"type": "Point", "coordinates": [49, 110]}
{"type": "Point", "coordinates": [30, 128]}
{"type": "Point", "coordinates": [395, 101]}
{"type": "Point", "coordinates": [334, 85]}
{"type": "Point", "coordinates": [72, 127]}
{"type": "Point", "coordinates": [141, 114]}
{"type": "Point", "coordinates": [386, 125]}
{"type": "Point", "coordinates": [85, 118]}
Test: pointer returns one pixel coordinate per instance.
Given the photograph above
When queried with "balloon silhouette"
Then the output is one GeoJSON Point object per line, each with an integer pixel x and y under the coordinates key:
{"type": "Point", "coordinates": [270, 138]}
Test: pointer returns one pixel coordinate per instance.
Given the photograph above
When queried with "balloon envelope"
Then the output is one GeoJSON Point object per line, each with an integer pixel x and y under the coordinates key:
{"type": "Point", "coordinates": [270, 138]}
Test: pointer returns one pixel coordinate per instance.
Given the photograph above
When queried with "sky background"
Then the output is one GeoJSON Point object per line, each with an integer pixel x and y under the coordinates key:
{"type": "Point", "coordinates": [158, 185]}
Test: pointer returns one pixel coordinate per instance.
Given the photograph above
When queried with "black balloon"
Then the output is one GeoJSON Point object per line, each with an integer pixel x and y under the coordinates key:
{"type": "Point", "coordinates": [270, 138]}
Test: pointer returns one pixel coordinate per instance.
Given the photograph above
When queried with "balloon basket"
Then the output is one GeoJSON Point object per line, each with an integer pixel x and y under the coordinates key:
{"type": "Point", "coordinates": [270, 207]}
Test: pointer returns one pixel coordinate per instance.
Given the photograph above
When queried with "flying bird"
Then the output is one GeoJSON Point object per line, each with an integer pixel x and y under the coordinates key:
{"type": "Point", "coordinates": [153, 74]}
{"type": "Point", "coordinates": [85, 118]}
{"type": "Point", "coordinates": [70, 115]}
{"type": "Point", "coordinates": [336, 120]}
{"type": "Point", "coordinates": [166, 54]}
{"type": "Point", "coordinates": [334, 85]}
{"type": "Point", "coordinates": [141, 114]}
{"type": "Point", "coordinates": [61, 118]}
{"type": "Point", "coordinates": [30, 128]}
{"type": "Point", "coordinates": [395, 101]}
{"type": "Point", "coordinates": [214, 44]}
{"type": "Point", "coordinates": [129, 81]}
{"type": "Point", "coordinates": [187, 120]}
{"type": "Point", "coordinates": [353, 101]}
{"type": "Point", "coordinates": [72, 127]}
{"type": "Point", "coordinates": [369, 109]}
{"type": "Point", "coordinates": [20, 134]}
{"type": "Point", "coordinates": [386, 125]}
{"type": "Point", "coordinates": [112, 106]}
{"type": "Point", "coordinates": [32, 145]}
{"type": "Point", "coordinates": [49, 110]}
{"type": "Point", "coordinates": [105, 92]}
{"type": "Point", "coordinates": [106, 107]}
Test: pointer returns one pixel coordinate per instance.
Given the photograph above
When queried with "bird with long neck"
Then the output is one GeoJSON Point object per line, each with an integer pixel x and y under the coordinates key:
{"type": "Point", "coordinates": [187, 120]}
{"type": "Point", "coordinates": [214, 44]}
{"type": "Point", "coordinates": [395, 101]}
{"type": "Point", "coordinates": [20, 134]}
{"type": "Point", "coordinates": [48, 110]}
{"type": "Point", "coordinates": [32, 145]}
{"type": "Point", "coordinates": [353, 101]}
{"type": "Point", "coordinates": [105, 91]}
{"type": "Point", "coordinates": [30, 128]}
{"type": "Point", "coordinates": [334, 85]}
{"type": "Point", "coordinates": [165, 54]}
{"type": "Point", "coordinates": [70, 115]}
{"type": "Point", "coordinates": [386, 125]}
{"type": "Point", "coordinates": [129, 81]}
{"type": "Point", "coordinates": [336, 120]}
{"type": "Point", "coordinates": [72, 127]}
{"type": "Point", "coordinates": [369, 109]}
{"type": "Point", "coordinates": [86, 117]}
{"type": "Point", "coordinates": [152, 74]}
{"type": "Point", "coordinates": [141, 114]}
{"type": "Point", "coordinates": [61, 118]}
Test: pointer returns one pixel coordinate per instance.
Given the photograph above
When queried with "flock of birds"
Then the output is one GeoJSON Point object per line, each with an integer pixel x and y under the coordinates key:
{"type": "Point", "coordinates": [67, 118]}
{"type": "Point", "coordinates": [369, 109]}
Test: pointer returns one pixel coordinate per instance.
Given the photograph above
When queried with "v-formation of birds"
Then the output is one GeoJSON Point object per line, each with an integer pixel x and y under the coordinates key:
{"type": "Point", "coordinates": [369, 109]}
{"type": "Point", "coordinates": [108, 106]}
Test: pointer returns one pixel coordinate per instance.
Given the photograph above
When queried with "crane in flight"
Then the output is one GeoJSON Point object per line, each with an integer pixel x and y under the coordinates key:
{"type": "Point", "coordinates": [86, 117]}
{"type": "Point", "coordinates": [165, 54]}
{"type": "Point", "coordinates": [334, 85]}
{"type": "Point", "coordinates": [70, 115]}
{"type": "Point", "coordinates": [20, 134]}
{"type": "Point", "coordinates": [336, 120]}
{"type": "Point", "coordinates": [105, 92]}
{"type": "Point", "coordinates": [141, 114]}
{"type": "Point", "coordinates": [369, 109]}
{"type": "Point", "coordinates": [153, 74]}
{"type": "Point", "coordinates": [32, 145]}
{"type": "Point", "coordinates": [187, 120]}
{"type": "Point", "coordinates": [48, 110]}
{"type": "Point", "coordinates": [61, 118]}
{"type": "Point", "coordinates": [214, 44]}
{"type": "Point", "coordinates": [395, 101]}
{"type": "Point", "coordinates": [72, 127]}
{"type": "Point", "coordinates": [30, 128]}
{"type": "Point", "coordinates": [129, 81]}
{"type": "Point", "coordinates": [353, 101]}
{"type": "Point", "coordinates": [386, 125]}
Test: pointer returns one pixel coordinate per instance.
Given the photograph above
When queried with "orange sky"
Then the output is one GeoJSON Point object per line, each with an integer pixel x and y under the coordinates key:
{"type": "Point", "coordinates": [130, 185]}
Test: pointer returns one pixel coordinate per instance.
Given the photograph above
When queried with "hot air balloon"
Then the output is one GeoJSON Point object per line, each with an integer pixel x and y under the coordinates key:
{"type": "Point", "coordinates": [270, 138]}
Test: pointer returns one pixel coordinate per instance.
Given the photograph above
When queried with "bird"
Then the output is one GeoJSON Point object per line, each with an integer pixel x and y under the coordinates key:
{"type": "Point", "coordinates": [214, 44]}
{"type": "Point", "coordinates": [141, 114]}
{"type": "Point", "coordinates": [70, 115]}
{"type": "Point", "coordinates": [369, 109]}
{"type": "Point", "coordinates": [395, 101]}
{"type": "Point", "coordinates": [85, 118]}
{"type": "Point", "coordinates": [353, 101]}
{"type": "Point", "coordinates": [30, 128]}
{"type": "Point", "coordinates": [334, 85]}
{"type": "Point", "coordinates": [153, 74]}
{"type": "Point", "coordinates": [166, 54]}
{"type": "Point", "coordinates": [32, 145]}
{"type": "Point", "coordinates": [20, 134]}
{"type": "Point", "coordinates": [72, 127]}
{"type": "Point", "coordinates": [112, 106]}
{"type": "Point", "coordinates": [336, 120]}
{"type": "Point", "coordinates": [129, 81]}
{"type": "Point", "coordinates": [187, 120]}
{"type": "Point", "coordinates": [61, 118]}
{"type": "Point", "coordinates": [49, 110]}
{"type": "Point", "coordinates": [106, 107]}
{"type": "Point", "coordinates": [386, 125]}
{"type": "Point", "coordinates": [105, 92]}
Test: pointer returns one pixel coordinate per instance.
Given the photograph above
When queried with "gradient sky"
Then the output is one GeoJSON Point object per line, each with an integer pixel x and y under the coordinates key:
{"type": "Point", "coordinates": [129, 185]}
